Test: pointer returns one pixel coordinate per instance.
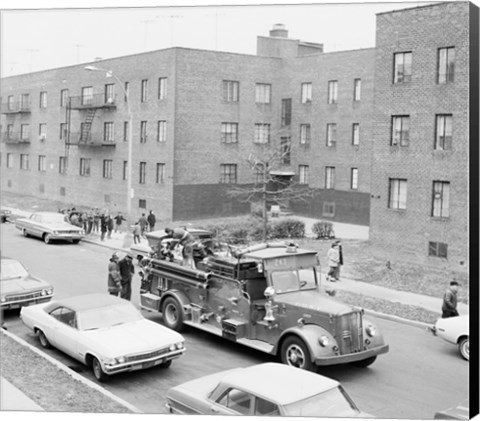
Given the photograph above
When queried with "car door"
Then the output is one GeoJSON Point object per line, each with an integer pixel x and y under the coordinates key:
{"type": "Point", "coordinates": [35, 225]}
{"type": "Point", "coordinates": [64, 333]}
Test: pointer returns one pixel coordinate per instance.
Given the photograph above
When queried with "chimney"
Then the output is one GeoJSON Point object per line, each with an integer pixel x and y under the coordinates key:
{"type": "Point", "coordinates": [279, 30]}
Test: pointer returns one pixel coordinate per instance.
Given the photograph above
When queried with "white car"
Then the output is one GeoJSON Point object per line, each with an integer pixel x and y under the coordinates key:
{"type": "Point", "coordinates": [104, 332]}
{"type": "Point", "coordinates": [456, 331]}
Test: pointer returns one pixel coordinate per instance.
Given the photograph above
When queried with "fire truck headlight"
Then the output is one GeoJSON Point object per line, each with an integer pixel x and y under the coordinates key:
{"type": "Point", "coordinates": [371, 330]}
{"type": "Point", "coordinates": [323, 340]}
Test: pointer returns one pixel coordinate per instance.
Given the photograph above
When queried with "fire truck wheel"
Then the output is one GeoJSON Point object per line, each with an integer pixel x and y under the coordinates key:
{"type": "Point", "coordinates": [364, 363]}
{"type": "Point", "coordinates": [294, 352]}
{"type": "Point", "coordinates": [172, 314]}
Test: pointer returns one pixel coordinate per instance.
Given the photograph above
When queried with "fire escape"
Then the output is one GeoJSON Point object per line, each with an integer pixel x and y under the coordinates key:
{"type": "Point", "coordinates": [15, 134]}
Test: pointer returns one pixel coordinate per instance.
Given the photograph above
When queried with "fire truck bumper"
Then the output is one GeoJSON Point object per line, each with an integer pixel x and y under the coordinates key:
{"type": "Point", "coordinates": [348, 358]}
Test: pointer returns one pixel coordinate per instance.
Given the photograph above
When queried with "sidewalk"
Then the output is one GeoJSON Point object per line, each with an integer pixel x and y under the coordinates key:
{"type": "Point", "coordinates": [12, 399]}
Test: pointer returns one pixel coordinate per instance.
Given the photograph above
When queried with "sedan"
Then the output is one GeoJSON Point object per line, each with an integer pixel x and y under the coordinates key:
{"type": "Point", "coordinates": [49, 226]}
{"type": "Point", "coordinates": [269, 389]}
{"type": "Point", "coordinates": [19, 288]}
{"type": "Point", "coordinates": [103, 332]}
{"type": "Point", "coordinates": [456, 331]}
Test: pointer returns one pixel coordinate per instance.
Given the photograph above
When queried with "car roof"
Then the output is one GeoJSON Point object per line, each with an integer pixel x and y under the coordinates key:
{"type": "Point", "coordinates": [264, 380]}
{"type": "Point", "coordinates": [89, 301]}
{"type": "Point", "coordinates": [46, 213]}
{"type": "Point", "coordinates": [273, 252]}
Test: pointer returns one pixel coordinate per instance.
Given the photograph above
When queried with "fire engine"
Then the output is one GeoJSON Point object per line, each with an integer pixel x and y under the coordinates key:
{"type": "Point", "coordinates": [267, 297]}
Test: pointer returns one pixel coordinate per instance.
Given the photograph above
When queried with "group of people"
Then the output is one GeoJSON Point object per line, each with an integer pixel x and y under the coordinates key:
{"type": "Point", "coordinates": [143, 225]}
{"type": "Point", "coordinates": [120, 275]}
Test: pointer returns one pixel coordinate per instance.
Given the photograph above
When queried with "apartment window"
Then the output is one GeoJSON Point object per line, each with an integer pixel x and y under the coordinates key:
{"type": "Point", "coordinates": [162, 88]}
{"type": "Point", "coordinates": [328, 209]}
{"type": "Point", "coordinates": [402, 67]}
{"type": "Point", "coordinates": [329, 177]}
{"type": "Point", "coordinates": [285, 150]}
{"type": "Point", "coordinates": [229, 132]}
{"type": "Point", "coordinates": [160, 174]}
{"type": "Point", "coordinates": [143, 172]}
{"type": "Point", "coordinates": [354, 178]}
{"type": "Point", "coordinates": [286, 116]}
{"type": "Point", "coordinates": [357, 89]}
{"type": "Point", "coordinates": [109, 97]}
{"type": "Point", "coordinates": [446, 65]}
{"type": "Point", "coordinates": [437, 249]}
{"type": "Point", "coordinates": [441, 199]}
{"type": "Point", "coordinates": [355, 134]}
{"type": "Point", "coordinates": [85, 132]}
{"type": "Point", "coordinates": [331, 134]}
{"type": "Point", "coordinates": [108, 132]}
{"type": "Point", "coordinates": [62, 165]}
{"type": "Point", "coordinates": [262, 133]}
{"type": "Point", "coordinates": [24, 162]}
{"type": "Point", "coordinates": [24, 131]}
{"type": "Point", "coordinates": [42, 131]}
{"type": "Point", "coordinates": [125, 170]}
{"type": "Point", "coordinates": [332, 92]}
{"type": "Point", "coordinates": [228, 173]}
{"type": "Point", "coordinates": [9, 160]}
{"type": "Point", "coordinates": [64, 97]}
{"type": "Point", "coordinates": [107, 168]}
{"type": "Point", "coordinates": [87, 95]}
{"type": "Point", "coordinates": [303, 171]}
{"type": "Point", "coordinates": [9, 131]}
{"type": "Point", "coordinates": [231, 90]}
{"type": "Point", "coordinates": [397, 193]}
{"type": "Point", "coordinates": [400, 130]}
{"type": "Point", "coordinates": [63, 131]}
{"type": "Point", "coordinates": [25, 101]}
{"type": "Point", "coordinates": [125, 131]}
{"type": "Point", "coordinates": [443, 132]}
{"type": "Point", "coordinates": [42, 163]}
{"type": "Point", "coordinates": [126, 87]}
{"type": "Point", "coordinates": [43, 99]}
{"type": "Point", "coordinates": [263, 93]}
{"type": "Point", "coordinates": [306, 93]}
{"type": "Point", "coordinates": [10, 102]}
{"type": "Point", "coordinates": [85, 167]}
{"type": "Point", "coordinates": [142, 203]}
{"type": "Point", "coordinates": [143, 131]}
{"type": "Point", "coordinates": [161, 131]}
{"type": "Point", "coordinates": [144, 90]}
{"type": "Point", "coordinates": [305, 134]}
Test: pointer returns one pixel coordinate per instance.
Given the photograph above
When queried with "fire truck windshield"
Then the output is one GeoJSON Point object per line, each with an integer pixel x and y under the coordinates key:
{"type": "Point", "coordinates": [293, 280]}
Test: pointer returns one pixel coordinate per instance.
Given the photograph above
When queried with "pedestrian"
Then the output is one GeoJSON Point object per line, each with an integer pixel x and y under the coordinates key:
{"type": "Point", "coordinates": [114, 279]}
{"type": "Point", "coordinates": [143, 224]}
{"type": "Point", "coordinates": [449, 305]}
{"type": "Point", "coordinates": [90, 216]}
{"type": "Point", "coordinates": [185, 239]}
{"type": "Point", "coordinates": [151, 220]}
{"type": "Point", "coordinates": [118, 222]}
{"type": "Point", "coordinates": [136, 233]}
{"type": "Point", "coordinates": [110, 224]}
{"type": "Point", "coordinates": [340, 260]}
{"type": "Point", "coordinates": [96, 220]}
{"type": "Point", "coordinates": [103, 226]}
{"type": "Point", "coordinates": [333, 256]}
{"type": "Point", "coordinates": [126, 273]}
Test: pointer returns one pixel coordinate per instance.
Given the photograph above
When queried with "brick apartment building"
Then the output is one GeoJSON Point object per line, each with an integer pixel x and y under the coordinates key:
{"type": "Point", "coordinates": [198, 115]}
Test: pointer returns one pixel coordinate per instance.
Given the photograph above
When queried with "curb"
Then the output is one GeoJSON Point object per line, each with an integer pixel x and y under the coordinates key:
{"type": "Point", "coordinates": [73, 374]}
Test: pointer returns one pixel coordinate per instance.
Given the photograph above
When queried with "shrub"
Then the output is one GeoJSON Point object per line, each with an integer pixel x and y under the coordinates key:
{"type": "Point", "coordinates": [323, 229]}
{"type": "Point", "coordinates": [288, 228]}
{"type": "Point", "coordinates": [256, 210]}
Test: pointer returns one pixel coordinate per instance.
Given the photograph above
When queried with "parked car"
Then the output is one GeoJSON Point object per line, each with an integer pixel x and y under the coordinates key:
{"type": "Point", "coordinates": [19, 288]}
{"type": "Point", "coordinates": [103, 332]}
{"type": "Point", "coordinates": [49, 226]}
{"type": "Point", "coordinates": [5, 214]}
{"type": "Point", "coordinates": [270, 389]}
{"type": "Point", "coordinates": [456, 331]}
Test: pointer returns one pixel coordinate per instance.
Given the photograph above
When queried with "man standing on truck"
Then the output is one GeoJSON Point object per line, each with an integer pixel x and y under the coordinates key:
{"type": "Point", "coordinates": [186, 240]}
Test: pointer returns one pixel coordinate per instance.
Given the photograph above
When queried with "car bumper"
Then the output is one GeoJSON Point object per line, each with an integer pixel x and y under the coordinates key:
{"type": "Point", "coordinates": [10, 305]}
{"type": "Point", "coordinates": [66, 237]}
{"type": "Point", "coordinates": [348, 358]}
{"type": "Point", "coordinates": [143, 364]}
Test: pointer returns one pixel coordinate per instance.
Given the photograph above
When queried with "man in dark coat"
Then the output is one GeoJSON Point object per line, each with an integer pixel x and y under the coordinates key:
{"type": "Point", "coordinates": [127, 270]}
{"type": "Point", "coordinates": [449, 306]}
{"type": "Point", "coordinates": [151, 220]}
{"type": "Point", "coordinates": [114, 284]}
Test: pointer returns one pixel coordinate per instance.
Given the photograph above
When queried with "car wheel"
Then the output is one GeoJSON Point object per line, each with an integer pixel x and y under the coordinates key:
{"type": "Point", "coordinates": [295, 353]}
{"type": "Point", "coordinates": [364, 363]}
{"type": "Point", "coordinates": [75, 241]}
{"type": "Point", "coordinates": [98, 371]}
{"type": "Point", "coordinates": [464, 348]}
{"type": "Point", "coordinates": [166, 364]}
{"type": "Point", "coordinates": [43, 339]}
{"type": "Point", "coordinates": [47, 238]}
{"type": "Point", "coordinates": [24, 232]}
{"type": "Point", "coordinates": [172, 313]}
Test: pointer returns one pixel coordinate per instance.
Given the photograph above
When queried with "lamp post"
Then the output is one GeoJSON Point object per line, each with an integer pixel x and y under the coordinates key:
{"type": "Point", "coordinates": [109, 73]}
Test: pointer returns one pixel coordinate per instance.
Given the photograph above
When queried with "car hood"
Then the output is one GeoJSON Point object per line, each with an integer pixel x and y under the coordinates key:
{"type": "Point", "coordinates": [26, 283]}
{"type": "Point", "coordinates": [132, 338]}
{"type": "Point", "coordinates": [313, 300]}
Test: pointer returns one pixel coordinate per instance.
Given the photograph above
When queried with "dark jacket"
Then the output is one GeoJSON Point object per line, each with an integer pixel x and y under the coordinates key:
{"type": "Point", "coordinates": [449, 300]}
{"type": "Point", "coordinates": [126, 269]}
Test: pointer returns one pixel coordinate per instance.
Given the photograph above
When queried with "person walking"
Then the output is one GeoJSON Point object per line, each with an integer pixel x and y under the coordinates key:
{"type": "Point", "coordinates": [151, 220]}
{"type": "Point", "coordinates": [449, 305]}
{"type": "Point", "coordinates": [126, 273]}
{"type": "Point", "coordinates": [110, 224]}
{"type": "Point", "coordinates": [143, 224]}
{"type": "Point", "coordinates": [340, 260]}
{"type": "Point", "coordinates": [96, 220]}
{"type": "Point", "coordinates": [114, 279]}
{"type": "Point", "coordinates": [333, 256]}
{"type": "Point", "coordinates": [90, 215]}
{"type": "Point", "coordinates": [119, 218]}
{"type": "Point", "coordinates": [137, 231]}
{"type": "Point", "coordinates": [103, 226]}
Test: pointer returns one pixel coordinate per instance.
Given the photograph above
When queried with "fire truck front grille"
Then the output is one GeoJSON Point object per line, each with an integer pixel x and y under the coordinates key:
{"type": "Point", "coordinates": [349, 334]}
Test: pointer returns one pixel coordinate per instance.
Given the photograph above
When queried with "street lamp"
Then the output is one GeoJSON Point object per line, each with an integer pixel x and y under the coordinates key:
{"type": "Point", "coordinates": [109, 73]}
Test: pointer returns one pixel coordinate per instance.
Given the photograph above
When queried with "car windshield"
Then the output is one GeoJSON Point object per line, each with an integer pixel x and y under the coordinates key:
{"type": "Point", "coordinates": [103, 317]}
{"type": "Point", "coordinates": [11, 269]}
{"type": "Point", "coordinates": [333, 403]}
{"type": "Point", "coordinates": [53, 218]}
{"type": "Point", "coordinates": [293, 280]}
